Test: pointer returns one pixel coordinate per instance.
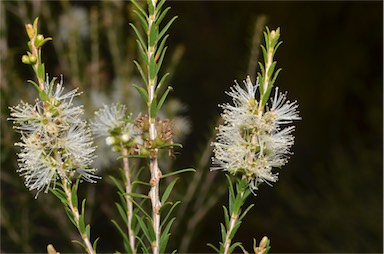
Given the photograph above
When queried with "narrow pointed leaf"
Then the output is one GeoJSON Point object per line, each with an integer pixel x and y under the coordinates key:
{"type": "Point", "coordinates": [142, 19]}
{"type": "Point", "coordinates": [213, 247]}
{"type": "Point", "coordinates": [179, 172]}
{"type": "Point", "coordinates": [162, 15]}
{"type": "Point", "coordinates": [163, 97]}
{"type": "Point", "coordinates": [168, 191]}
{"type": "Point", "coordinates": [140, 8]}
{"type": "Point", "coordinates": [142, 92]}
{"type": "Point", "coordinates": [161, 83]}
{"type": "Point", "coordinates": [141, 40]}
{"type": "Point", "coordinates": [143, 76]}
{"type": "Point", "coordinates": [122, 212]}
{"type": "Point", "coordinates": [166, 27]}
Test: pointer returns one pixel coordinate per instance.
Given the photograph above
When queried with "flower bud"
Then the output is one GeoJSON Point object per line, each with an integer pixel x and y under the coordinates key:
{"type": "Point", "coordinates": [25, 59]}
{"type": "Point", "coordinates": [110, 140]}
{"type": "Point", "coordinates": [32, 59]}
{"type": "Point", "coordinates": [30, 31]}
{"type": "Point", "coordinates": [39, 40]}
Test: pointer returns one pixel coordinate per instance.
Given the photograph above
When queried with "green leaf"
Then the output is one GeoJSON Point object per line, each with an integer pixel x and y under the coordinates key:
{"type": "Point", "coordinates": [265, 54]}
{"type": "Point", "coordinates": [139, 206]}
{"type": "Point", "coordinates": [144, 228]}
{"type": "Point", "coordinates": [162, 81]}
{"type": "Point", "coordinates": [60, 195]}
{"type": "Point", "coordinates": [233, 246]}
{"type": "Point", "coordinates": [275, 76]}
{"type": "Point", "coordinates": [117, 184]}
{"type": "Point", "coordinates": [153, 109]}
{"type": "Point", "coordinates": [74, 196]}
{"type": "Point", "coordinates": [165, 236]}
{"type": "Point", "coordinates": [34, 83]}
{"type": "Point", "coordinates": [271, 69]}
{"type": "Point", "coordinates": [141, 40]}
{"type": "Point", "coordinates": [143, 19]}
{"type": "Point", "coordinates": [153, 35]}
{"type": "Point", "coordinates": [159, 5]}
{"type": "Point", "coordinates": [178, 172]}
{"type": "Point", "coordinates": [223, 232]}
{"type": "Point", "coordinates": [168, 191]}
{"type": "Point", "coordinates": [43, 95]}
{"type": "Point", "coordinates": [152, 68]}
{"type": "Point", "coordinates": [143, 51]}
{"type": "Point", "coordinates": [139, 8]}
{"type": "Point", "coordinates": [123, 233]}
{"type": "Point", "coordinates": [95, 243]}
{"type": "Point", "coordinates": [245, 212]}
{"type": "Point", "coordinates": [160, 17]}
{"type": "Point", "coordinates": [143, 249]}
{"type": "Point", "coordinates": [137, 195]}
{"type": "Point", "coordinates": [41, 43]}
{"type": "Point", "coordinates": [213, 247]}
{"type": "Point", "coordinates": [143, 76]}
{"type": "Point", "coordinates": [69, 213]}
{"type": "Point", "coordinates": [226, 216]}
{"type": "Point", "coordinates": [142, 92]}
{"type": "Point", "coordinates": [41, 71]}
{"type": "Point", "coordinates": [160, 60]}
{"type": "Point", "coordinates": [166, 27]}
{"type": "Point", "coordinates": [81, 225]}
{"type": "Point", "coordinates": [141, 183]}
{"type": "Point", "coordinates": [163, 97]}
{"type": "Point", "coordinates": [122, 212]}
{"type": "Point", "coordinates": [161, 46]}
{"type": "Point", "coordinates": [88, 231]}
{"type": "Point", "coordinates": [80, 243]}
{"type": "Point", "coordinates": [169, 213]}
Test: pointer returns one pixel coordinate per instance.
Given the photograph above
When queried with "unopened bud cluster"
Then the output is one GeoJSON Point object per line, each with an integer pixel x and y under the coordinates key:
{"type": "Point", "coordinates": [36, 41]}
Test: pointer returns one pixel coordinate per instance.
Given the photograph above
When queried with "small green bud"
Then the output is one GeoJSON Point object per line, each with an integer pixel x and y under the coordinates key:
{"type": "Point", "coordinates": [39, 40]}
{"type": "Point", "coordinates": [32, 59]}
{"type": "Point", "coordinates": [25, 59]}
{"type": "Point", "coordinates": [30, 31]}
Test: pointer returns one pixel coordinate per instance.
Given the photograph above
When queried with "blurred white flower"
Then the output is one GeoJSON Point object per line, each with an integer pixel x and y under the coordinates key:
{"type": "Point", "coordinates": [251, 142]}
{"type": "Point", "coordinates": [55, 142]}
{"type": "Point", "coordinates": [73, 22]}
{"type": "Point", "coordinates": [114, 123]}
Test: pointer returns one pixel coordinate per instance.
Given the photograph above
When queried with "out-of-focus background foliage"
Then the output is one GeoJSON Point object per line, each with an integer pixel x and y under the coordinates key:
{"type": "Point", "coordinates": [329, 197]}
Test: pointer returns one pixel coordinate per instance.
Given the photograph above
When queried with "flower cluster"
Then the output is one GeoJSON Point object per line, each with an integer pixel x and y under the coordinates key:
{"type": "Point", "coordinates": [252, 141]}
{"type": "Point", "coordinates": [115, 123]}
{"type": "Point", "coordinates": [55, 142]}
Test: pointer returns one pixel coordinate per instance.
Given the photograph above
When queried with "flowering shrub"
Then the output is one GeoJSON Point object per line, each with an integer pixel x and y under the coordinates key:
{"type": "Point", "coordinates": [57, 145]}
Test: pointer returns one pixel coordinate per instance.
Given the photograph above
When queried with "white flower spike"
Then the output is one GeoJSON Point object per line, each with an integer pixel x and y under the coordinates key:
{"type": "Point", "coordinates": [253, 142]}
{"type": "Point", "coordinates": [55, 142]}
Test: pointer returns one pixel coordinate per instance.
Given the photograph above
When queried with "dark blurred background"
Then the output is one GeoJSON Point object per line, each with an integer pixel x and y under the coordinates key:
{"type": "Point", "coordinates": [329, 197]}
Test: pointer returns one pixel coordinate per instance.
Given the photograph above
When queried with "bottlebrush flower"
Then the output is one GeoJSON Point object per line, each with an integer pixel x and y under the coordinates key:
{"type": "Point", "coordinates": [114, 123]}
{"type": "Point", "coordinates": [55, 142]}
{"type": "Point", "coordinates": [253, 141]}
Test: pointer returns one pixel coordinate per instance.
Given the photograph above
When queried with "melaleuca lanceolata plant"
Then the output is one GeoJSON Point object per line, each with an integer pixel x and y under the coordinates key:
{"type": "Point", "coordinates": [255, 138]}
{"type": "Point", "coordinates": [57, 148]}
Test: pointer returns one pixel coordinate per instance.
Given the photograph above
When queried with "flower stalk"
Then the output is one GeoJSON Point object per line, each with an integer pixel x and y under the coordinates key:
{"type": "Point", "coordinates": [128, 189]}
{"type": "Point", "coordinates": [76, 216]}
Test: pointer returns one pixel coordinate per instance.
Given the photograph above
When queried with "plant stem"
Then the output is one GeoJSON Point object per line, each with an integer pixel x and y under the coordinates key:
{"type": "Point", "coordinates": [228, 239]}
{"type": "Point", "coordinates": [128, 189]}
{"type": "Point", "coordinates": [76, 217]}
{"type": "Point", "coordinates": [154, 168]}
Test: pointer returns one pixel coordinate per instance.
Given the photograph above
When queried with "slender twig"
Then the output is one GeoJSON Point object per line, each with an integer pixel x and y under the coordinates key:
{"type": "Point", "coordinates": [76, 216]}
{"type": "Point", "coordinates": [154, 168]}
{"type": "Point", "coordinates": [128, 189]}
